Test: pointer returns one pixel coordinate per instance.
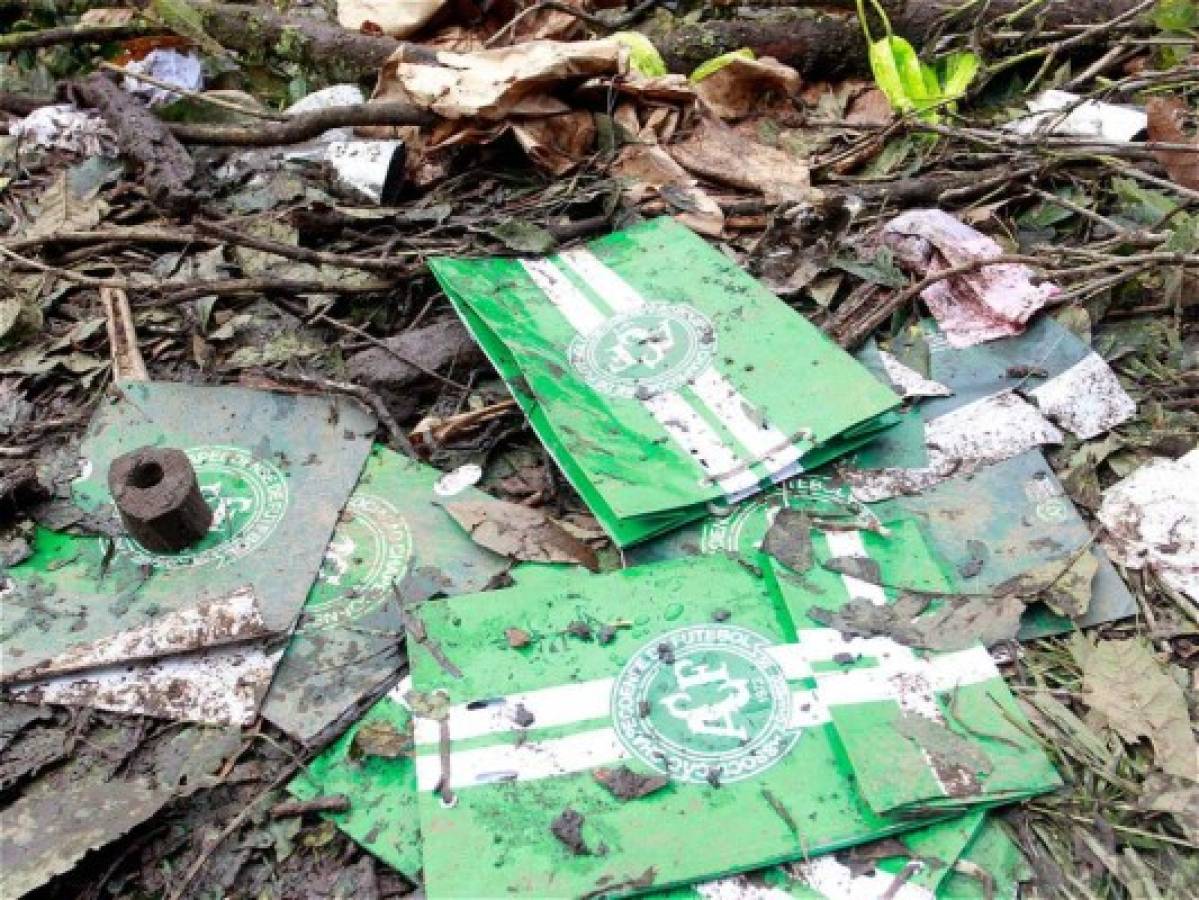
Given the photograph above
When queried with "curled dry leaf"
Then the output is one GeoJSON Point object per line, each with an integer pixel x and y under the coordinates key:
{"type": "Point", "coordinates": [740, 87]}
{"type": "Point", "coordinates": [520, 533]}
{"type": "Point", "coordinates": [494, 84]}
{"type": "Point", "coordinates": [650, 167]}
{"type": "Point", "coordinates": [1166, 115]}
{"type": "Point", "coordinates": [726, 155]}
{"type": "Point", "coordinates": [557, 143]}
{"type": "Point", "coordinates": [398, 18]}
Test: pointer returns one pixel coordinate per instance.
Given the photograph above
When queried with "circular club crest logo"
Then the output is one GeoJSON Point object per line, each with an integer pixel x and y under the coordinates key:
{"type": "Point", "coordinates": [248, 497]}
{"type": "Point", "coordinates": [370, 549]}
{"type": "Point", "coordinates": [705, 702]}
{"type": "Point", "coordinates": [742, 529]}
{"type": "Point", "coordinates": [657, 347]}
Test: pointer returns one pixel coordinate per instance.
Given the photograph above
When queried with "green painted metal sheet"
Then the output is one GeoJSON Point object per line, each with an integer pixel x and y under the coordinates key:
{"type": "Point", "coordinates": [393, 543]}
{"type": "Point", "coordinates": [277, 470]}
{"type": "Point", "coordinates": [699, 670]}
{"type": "Point", "coordinates": [383, 815]}
{"type": "Point", "coordinates": [650, 351]}
{"type": "Point", "coordinates": [1011, 516]}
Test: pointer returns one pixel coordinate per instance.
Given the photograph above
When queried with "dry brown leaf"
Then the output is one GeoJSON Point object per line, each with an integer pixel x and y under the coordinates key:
{"type": "Point", "coordinates": [398, 18]}
{"type": "Point", "coordinates": [108, 16]}
{"type": "Point", "coordinates": [649, 167]}
{"type": "Point", "coordinates": [557, 143]}
{"type": "Point", "coordinates": [870, 107]}
{"type": "Point", "coordinates": [725, 155]}
{"type": "Point", "coordinates": [1166, 115]}
{"type": "Point", "coordinates": [742, 86]}
{"type": "Point", "coordinates": [494, 84]}
{"type": "Point", "coordinates": [520, 533]}
{"type": "Point", "coordinates": [1125, 683]}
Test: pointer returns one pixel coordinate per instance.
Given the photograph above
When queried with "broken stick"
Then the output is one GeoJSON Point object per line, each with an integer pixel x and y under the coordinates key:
{"type": "Point", "coordinates": [166, 166]}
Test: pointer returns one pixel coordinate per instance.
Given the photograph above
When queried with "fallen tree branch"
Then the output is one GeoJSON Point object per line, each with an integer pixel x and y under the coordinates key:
{"type": "Point", "coordinates": [303, 254]}
{"type": "Point", "coordinates": [127, 361]}
{"type": "Point", "coordinates": [22, 104]}
{"type": "Point", "coordinates": [258, 33]}
{"type": "Point", "coordinates": [77, 34]}
{"type": "Point", "coordinates": [166, 167]}
{"type": "Point", "coordinates": [195, 96]}
{"type": "Point", "coordinates": [302, 127]}
{"type": "Point", "coordinates": [136, 235]}
{"type": "Point", "coordinates": [234, 286]}
{"type": "Point", "coordinates": [824, 43]}
{"type": "Point", "coordinates": [397, 440]}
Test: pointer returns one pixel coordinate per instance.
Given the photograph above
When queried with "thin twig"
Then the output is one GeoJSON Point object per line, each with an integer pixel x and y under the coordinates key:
{"type": "Point", "coordinates": [194, 95]}
{"type": "Point", "coordinates": [597, 22]}
{"type": "Point", "coordinates": [77, 34]}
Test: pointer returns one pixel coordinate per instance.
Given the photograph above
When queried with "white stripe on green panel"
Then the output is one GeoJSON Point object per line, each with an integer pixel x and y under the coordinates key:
{"type": "Point", "coordinates": [689, 430]}
{"type": "Point", "coordinates": [764, 444]}
{"type": "Point", "coordinates": [678, 419]}
{"type": "Point", "coordinates": [527, 761]}
{"type": "Point", "coordinates": [827, 877]}
{"type": "Point", "coordinates": [849, 543]}
{"type": "Point", "coordinates": [564, 704]}
{"type": "Point", "coordinates": [898, 675]}
{"type": "Point", "coordinates": [580, 312]}
{"type": "Point", "coordinates": [837, 881]}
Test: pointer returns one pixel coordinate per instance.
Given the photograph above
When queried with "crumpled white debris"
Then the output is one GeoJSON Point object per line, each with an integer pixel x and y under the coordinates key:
{"type": "Point", "coordinates": [990, 302]}
{"type": "Point", "coordinates": [182, 70]}
{"type": "Point", "coordinates": [1087, 399]}
{"type": "Point", "coordinates": [908, 382]}
{"type": "Point", "coordinates": [986, 431]}
{"type": "Point", "coordinates": [1151, 520]}
{"type": "Point", "coordinates": [64, 127]}
{"type": "Point", "coordinates": [334, 95]}
{"type": "Point", "coordinates": [360, 166]}
{"type": "Point", "coordinates": [1066, 114]}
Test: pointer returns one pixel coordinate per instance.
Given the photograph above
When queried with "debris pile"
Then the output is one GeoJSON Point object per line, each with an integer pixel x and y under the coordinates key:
{"type": "Point", "coordinates": [491, 449]}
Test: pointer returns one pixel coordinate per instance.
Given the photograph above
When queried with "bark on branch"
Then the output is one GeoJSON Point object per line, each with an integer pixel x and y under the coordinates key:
{"type": "Point", "coordinates": [303, 126]}
{"type": "Point", "coordinates": [826, 42]}
{"type": "Point", "coordinates": [165, 165]}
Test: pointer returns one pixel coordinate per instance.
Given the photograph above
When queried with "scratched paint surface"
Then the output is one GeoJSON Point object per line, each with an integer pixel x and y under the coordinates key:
{"type": "Point", "coordinates": [774, 734]}
{"type": "Point", "coordinates": [649, 350]}
{"type": "Point", "coordinates": [917, 868]}
{"type": "Point", "coordinates": [394, 542]}
{"type": "Point", "coordinates": [277, 470]}
{"type": "Point", "coordinates": [983, 529]}
{"type": "Point", "coordinates": [1006, 397]}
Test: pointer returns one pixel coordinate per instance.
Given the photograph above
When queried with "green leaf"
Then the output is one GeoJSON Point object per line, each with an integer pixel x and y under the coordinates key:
{"type": "Point", "coordinates": [1184, 237]}
{"type": "Point", "coordinates": [1046, 214]}
{"type": "Point", "coordinates": [1176, 15]}
{"type": "Point", "coordinates": [643, 55]}
{"type": "Point", "coordinates": [914, 86]}
{"type": "Point", "coordinates": [716, 63]}
{"type": "Point", "coordinates": [957, 71]}
{"type": "Point", "coordinates": [887, 75]}
{"type": "Point", "coordinates": [879, 270]}
{"type": "Point", "coordinates": [1143, 206]}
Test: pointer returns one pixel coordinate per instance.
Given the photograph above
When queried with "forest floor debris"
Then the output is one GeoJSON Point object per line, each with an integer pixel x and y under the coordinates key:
{"type": "Point", "coordinates": [200, 194]}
